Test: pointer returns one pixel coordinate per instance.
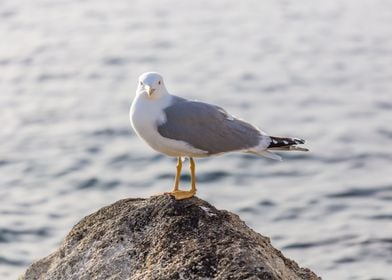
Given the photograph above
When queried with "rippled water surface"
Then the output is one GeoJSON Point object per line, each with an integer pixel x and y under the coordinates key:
{"type": "Point", "coordinates": [321, 70]}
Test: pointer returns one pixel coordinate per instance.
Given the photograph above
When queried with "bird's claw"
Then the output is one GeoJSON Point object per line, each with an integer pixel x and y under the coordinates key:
{"type": "Point", "coordinates": [179, 195]}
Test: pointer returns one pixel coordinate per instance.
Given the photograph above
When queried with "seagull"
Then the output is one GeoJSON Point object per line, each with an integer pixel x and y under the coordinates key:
{"type": "Point", "coordinates": [181, 128]}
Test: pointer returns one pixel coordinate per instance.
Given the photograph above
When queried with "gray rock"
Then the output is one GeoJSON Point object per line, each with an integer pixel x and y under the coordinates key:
{"type": "Point", "coordinates": [161, 238]}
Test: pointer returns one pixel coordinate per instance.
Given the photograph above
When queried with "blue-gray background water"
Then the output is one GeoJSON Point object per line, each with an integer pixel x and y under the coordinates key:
{"type": "Point", "coordinates": [321, 70]}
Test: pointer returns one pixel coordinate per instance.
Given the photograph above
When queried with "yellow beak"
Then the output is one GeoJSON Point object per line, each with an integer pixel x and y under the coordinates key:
{"type": "Point", "coordinates": [150, 90]}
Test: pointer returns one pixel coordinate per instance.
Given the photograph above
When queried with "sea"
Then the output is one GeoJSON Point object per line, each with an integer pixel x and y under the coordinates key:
{"type": "Point", "coordinates": [317, 70]}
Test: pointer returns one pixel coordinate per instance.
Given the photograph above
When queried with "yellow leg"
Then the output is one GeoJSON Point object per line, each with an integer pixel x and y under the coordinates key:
{"type": "Point", "coordinates": [178, 175]}
{"type": "Point", "coordinates": [178, 194]}
{"type": "Point", "coordinates": [193, 176]}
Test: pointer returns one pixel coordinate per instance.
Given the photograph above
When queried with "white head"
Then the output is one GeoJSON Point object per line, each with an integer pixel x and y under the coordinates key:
{"type": "Point", "coordinates": [151, 85]}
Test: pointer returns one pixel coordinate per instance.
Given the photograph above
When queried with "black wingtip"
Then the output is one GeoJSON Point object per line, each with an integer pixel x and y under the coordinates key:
{"type": "Point", "coordinates": [298, 140]}
{"type": "Point", "coordinates": [278, 142]}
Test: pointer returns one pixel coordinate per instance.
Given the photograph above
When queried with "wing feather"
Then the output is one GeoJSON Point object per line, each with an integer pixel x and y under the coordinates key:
{"type": "Point", "coordinates": [208, 127]}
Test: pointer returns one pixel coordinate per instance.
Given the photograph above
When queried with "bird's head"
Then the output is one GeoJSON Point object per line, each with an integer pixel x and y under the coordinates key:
{"type": "Point", "coordinates": [151, 85]}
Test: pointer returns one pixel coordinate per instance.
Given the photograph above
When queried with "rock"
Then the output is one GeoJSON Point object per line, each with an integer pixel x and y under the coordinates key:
{"type": "Point", "coordinates": [161, 238]}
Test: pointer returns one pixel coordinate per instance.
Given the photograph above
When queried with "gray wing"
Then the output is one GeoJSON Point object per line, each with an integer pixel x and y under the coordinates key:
{"type": "Point", "coordinates": [207, 127]}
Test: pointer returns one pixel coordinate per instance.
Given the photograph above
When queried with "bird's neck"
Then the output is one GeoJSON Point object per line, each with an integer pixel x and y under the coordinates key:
{"type": "Point", "coordinates": [150, 108]}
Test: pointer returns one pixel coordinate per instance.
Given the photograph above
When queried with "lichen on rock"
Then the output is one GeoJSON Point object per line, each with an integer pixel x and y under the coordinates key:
{"type": "Point", "coordinates": [161, 238]}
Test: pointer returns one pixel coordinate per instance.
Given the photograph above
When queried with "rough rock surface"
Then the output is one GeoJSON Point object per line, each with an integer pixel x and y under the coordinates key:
{"type": "Point", "coordinates": [161, 238]}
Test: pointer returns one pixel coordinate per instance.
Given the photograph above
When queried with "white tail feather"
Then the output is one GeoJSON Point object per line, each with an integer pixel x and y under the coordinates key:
{"type": "Point", "coordinates": [270, 155]}
{"type": "Point", "coordinates": [267, 154]}
{"type": "Point", "coordinates": [289, 148]}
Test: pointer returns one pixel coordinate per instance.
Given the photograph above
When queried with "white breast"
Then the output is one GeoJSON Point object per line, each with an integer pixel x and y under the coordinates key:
{"type": "Point", "coordinates": [145, 116]}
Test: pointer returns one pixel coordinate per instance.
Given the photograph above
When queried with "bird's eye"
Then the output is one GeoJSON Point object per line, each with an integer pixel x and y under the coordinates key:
{"type": "Point", "coordinates": [141, 83]}
{"type": "Point", "coordinates": [159, 82]}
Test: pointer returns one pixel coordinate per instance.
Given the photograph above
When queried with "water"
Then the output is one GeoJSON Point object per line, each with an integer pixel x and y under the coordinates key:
{"type": "Point", "coordinates": [311, 69]}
